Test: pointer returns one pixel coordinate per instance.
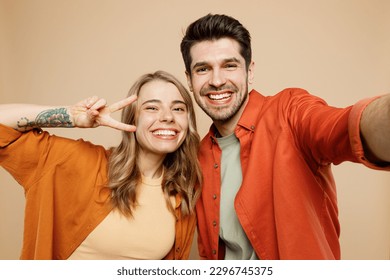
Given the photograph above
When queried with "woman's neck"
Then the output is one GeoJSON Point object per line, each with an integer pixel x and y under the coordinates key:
{"type": "Point", "coordinates": [151, 166]}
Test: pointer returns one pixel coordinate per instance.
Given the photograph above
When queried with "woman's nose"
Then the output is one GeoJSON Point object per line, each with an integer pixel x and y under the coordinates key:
{"type": "Point", "coordinates": [166, 116]}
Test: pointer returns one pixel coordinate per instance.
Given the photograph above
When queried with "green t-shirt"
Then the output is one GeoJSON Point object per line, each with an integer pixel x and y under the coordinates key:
{"type": "Point", "coordinates": [237, 244]}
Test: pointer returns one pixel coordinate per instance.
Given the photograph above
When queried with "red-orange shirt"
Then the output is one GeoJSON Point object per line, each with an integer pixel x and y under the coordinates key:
{"type": "Point", "coordinates": [287, 203]}
{"type": "Point", "coordinates": [66, 194]}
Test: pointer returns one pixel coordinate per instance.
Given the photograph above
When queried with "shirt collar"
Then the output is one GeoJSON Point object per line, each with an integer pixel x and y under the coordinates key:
{"type": "Point", "coordinates": [251, 112]}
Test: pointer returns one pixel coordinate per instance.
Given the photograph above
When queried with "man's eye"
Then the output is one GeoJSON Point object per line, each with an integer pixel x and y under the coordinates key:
{"type": "Point", "coordinates": [231, 66]}
{"type": "Point", "coordinates": [201, 70]}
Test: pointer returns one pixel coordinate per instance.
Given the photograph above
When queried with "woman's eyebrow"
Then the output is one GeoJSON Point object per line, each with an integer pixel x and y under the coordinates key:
{"type": "Point", "coordinates": [179, 102]}
{"type": "Point", "coordinates": [159, 101]}
{"type": "Point", "coordinates": [152, 101]}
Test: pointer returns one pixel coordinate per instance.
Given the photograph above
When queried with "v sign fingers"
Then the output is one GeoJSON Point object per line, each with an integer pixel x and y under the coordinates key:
{"type": "Point", "coordinates": [122, 103]}
{"type": "Point", "coordinates": [96, 104]}
{"type": "Point", "coordinates": [110, 122]}
{"type": "Point", "coordinates": [82, 114]}
{"type": "Point", "coordinates": [106, 120]}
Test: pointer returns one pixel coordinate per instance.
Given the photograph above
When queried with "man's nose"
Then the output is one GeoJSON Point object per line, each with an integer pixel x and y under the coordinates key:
{"type": "Point", "coordinates": [217, 78]}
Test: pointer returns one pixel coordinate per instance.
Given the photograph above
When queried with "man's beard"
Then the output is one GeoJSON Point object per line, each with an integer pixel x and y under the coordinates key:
{"type": "Point", "coordinates": [224, 114]}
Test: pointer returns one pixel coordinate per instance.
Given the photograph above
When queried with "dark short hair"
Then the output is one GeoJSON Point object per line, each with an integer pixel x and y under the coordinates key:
{"type": "Point", "coordinates": [214, 27]}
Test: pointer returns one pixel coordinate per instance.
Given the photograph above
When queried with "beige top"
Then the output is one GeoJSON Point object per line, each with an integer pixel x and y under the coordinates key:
{"type": "Point", "coordinates": [149, 234]}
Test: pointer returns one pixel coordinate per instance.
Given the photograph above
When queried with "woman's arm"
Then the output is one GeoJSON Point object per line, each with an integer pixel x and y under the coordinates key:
{"type": "Point", "coordinates": [24, 117]}
{"type": "Point", "coordinates": [91, 112]}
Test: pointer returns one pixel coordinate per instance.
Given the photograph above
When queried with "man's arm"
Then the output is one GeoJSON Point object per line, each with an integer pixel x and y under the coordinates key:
{"type": "Point", "coordinates": [91, 112]}
{"type": "Point", "coordinates": [375, 130]}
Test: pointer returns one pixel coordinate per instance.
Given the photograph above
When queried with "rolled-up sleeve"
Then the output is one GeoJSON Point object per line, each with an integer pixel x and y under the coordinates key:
{"type": "Point", "coordinates": [355, 135]}
{"type": "Point", "coordinates": [8, 135]}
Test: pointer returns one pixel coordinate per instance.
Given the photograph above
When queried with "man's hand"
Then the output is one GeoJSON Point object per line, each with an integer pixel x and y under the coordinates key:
{"type": "Point", "coordinates": [94, 112]}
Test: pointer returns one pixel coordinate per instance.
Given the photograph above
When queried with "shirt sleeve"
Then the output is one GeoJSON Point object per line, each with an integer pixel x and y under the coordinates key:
{"type": "Point", "coordinates": [355, 135]}
{"type": "Point", "coordinates": [21, 154]}
{"type": "Point", "coordinates": [320, 131]}
{"type": "Point", "coordinates": [327, 134]}
{"type": "Point", "coordinates": [8, 135]}
{"type": "Point", "coordinates": [28, 155]}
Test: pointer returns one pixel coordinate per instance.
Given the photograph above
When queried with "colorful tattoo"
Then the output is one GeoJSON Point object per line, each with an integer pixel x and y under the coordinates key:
{"type": "Point", "coordinates": [49, 118]}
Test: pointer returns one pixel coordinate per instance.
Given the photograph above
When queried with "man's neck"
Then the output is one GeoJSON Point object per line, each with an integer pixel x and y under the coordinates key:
{"type": "Point", "coordinates": [226, 128]}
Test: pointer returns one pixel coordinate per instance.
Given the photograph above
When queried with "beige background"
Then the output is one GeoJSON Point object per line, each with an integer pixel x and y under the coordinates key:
{"type": "Point", "coordinates": [59, 52]}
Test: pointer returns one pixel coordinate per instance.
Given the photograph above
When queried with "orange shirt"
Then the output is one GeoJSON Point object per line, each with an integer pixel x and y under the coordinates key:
{"type": "Point", "coordinates": [287, 203]}
{"type": "Point", "coordinates": [66, 198]}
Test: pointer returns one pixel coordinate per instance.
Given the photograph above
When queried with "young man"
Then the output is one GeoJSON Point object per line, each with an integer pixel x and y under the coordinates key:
{"type": "Point", "coordinates": [268, 190]}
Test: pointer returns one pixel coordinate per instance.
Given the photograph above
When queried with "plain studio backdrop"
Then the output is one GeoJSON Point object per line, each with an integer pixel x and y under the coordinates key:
{"type": "Point", "coordinates": [58, 52]}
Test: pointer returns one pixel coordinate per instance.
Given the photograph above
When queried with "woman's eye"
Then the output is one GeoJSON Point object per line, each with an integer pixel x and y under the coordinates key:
{"type": "Point", "coordinates": [179, 109]}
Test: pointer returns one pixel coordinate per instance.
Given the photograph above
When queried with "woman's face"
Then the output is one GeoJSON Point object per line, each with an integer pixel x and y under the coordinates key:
{"type": "Point", "coordinates": [162, 123]}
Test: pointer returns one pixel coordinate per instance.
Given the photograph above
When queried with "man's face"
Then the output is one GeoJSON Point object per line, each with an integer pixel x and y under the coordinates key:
{"type": "Point", "coordinates": [219, 79]}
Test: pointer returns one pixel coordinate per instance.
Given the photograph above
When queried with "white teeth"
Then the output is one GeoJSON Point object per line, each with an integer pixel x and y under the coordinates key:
{"type": "Point", "coordinates": [164, 132]}
{"type": "Point", "coordinates": [219, 96]}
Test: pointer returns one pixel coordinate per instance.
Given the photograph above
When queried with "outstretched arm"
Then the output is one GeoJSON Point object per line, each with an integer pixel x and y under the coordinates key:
{"type": "Point", "coordinates": [375, 130]}
{"type": "Point", "coordinates": [91, 112]}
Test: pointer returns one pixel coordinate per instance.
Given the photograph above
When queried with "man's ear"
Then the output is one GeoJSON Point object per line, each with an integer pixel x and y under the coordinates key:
{"type": "Point", "coordinates": [189, 80]}
{"type": "Point", "coordinates": [251, 72]}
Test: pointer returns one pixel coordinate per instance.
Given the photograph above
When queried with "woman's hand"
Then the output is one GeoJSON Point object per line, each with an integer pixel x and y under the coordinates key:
{"type": "Point", "coordinates": [94, 112]}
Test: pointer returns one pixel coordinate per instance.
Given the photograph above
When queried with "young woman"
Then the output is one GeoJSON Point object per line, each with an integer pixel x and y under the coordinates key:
{"type": "Point", "coordinates": [134, 201]}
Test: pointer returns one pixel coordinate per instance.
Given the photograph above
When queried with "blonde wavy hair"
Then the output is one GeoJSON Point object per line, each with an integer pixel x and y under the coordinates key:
{"type": "Point", "coordinates": [182, 173]}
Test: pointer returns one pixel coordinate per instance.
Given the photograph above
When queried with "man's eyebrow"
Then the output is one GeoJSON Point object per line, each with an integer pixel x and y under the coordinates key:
{"type": "Point", "coordinates": [199, 64]}
{"type": "Point", "coordinates": [205, 63]}
{"type": "Point", "coordinates": [231, 59]}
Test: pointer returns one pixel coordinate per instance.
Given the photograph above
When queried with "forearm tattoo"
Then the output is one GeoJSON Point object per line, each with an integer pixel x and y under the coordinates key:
{"type": "Point", "coordinates": [58, 117]}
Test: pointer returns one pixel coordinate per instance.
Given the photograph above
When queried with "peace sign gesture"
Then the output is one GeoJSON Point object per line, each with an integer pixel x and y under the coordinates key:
{"type": "Point", "coordinates": [94, 112]}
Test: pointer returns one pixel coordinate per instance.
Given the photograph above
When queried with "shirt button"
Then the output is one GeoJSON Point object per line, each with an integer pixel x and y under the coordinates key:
{"type": "Point", "coordinates": [215, 165]}
{"type": "Point", "coordinates": [252, 127]}
{"type": "Point", "coordinates": [214, 196]}
{"type": "Point", "coordinates": [214, 223]}
{"type": "Point", "coordinates": [214, 252]}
